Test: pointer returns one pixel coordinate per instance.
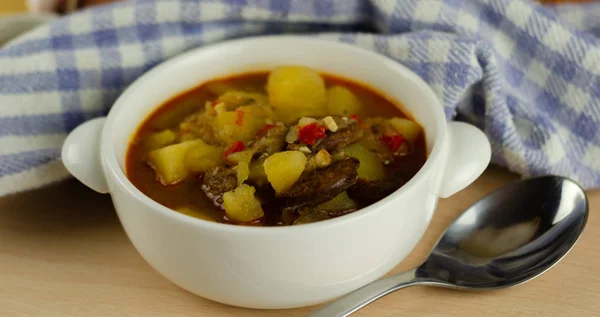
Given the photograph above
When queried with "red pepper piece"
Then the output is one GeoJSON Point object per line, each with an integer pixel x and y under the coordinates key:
{"type": "Point", "coordinates": [236, 146]}
{"type": "Point", "coordinates": [359, 122]}
{"type": "Point", "coordinates": [264, 130]}
{"type": "Point", "coordinates": [356, 118]}
{"type": "Point", "coordinates": [239, 120]}
{"type": "Point", "coordinates": [310, 133]}
{"type": "Point", "coordinates": [392, 141]}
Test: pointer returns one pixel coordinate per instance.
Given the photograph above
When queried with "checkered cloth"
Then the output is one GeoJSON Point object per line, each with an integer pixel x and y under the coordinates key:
{"type": "Point", "coordinates": [527, 75]}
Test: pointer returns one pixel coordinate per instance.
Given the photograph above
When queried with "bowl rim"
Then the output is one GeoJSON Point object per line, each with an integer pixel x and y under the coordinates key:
{"type": "Point", "coordinates": [114, 173]}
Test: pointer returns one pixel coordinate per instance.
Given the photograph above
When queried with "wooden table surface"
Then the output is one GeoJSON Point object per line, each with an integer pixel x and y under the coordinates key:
{"type": "Point", "coordinates": [64, 253]}
{"type": "Point", "coordinates": [12, 6]}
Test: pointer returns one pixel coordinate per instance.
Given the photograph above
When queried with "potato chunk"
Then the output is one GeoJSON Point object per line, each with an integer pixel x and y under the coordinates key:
{"type": "Point", "coordinates": [241, 124]}
{"type": "Point", "coordinates": [160, 139]}
{"type": "Point", "coordinates": [295, 92]}
{"type": "Point", "coordinates": [341, 101]}
{"type": "Point", "coordinates": [234, 99]}
{"type": "Point", "coordinates": [241, 205]}
{"type": "Point", "coordinates": [370, 168]}
{"type": "Point", "coordinates": [283, 169]}
{"type": "Point", "coordinates": [409, 129]}
{"type": "Point", "coordinates": [169, 162]}
{"type": "Point", "coordinates": [202, 157]}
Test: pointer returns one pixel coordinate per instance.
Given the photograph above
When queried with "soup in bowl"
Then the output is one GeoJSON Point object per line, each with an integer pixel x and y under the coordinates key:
{"type": "Point", "coordinates": [285, 147]}
{"type": "Point", "coordinates": [276, 172]}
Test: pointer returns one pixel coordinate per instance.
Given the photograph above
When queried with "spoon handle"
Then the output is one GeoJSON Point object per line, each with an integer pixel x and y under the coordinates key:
{"type": "Point", "coordinates": [367, 294]}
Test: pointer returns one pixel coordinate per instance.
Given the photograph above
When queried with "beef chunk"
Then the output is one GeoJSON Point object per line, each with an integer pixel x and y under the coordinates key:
{"type": "Point", "coordinates": [321, 185]}
{"type": "Point", "coordinates": [217, 183]}
{"type": "Point", "coordinates": [340, 139]}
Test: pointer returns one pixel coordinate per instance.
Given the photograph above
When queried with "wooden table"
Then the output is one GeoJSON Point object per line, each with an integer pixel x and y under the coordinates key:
{"type": "Point", "coordinates": [12, 6]}
{"type": "Point", "coordinates": [64, 253]}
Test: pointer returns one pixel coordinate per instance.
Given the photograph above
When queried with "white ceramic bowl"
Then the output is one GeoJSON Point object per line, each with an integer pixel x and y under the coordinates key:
{"type": "Point", "coordinates": [276, 267]}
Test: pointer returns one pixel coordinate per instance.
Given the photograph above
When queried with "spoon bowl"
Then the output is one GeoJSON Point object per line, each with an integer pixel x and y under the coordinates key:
{"type": "Point", "coordinates": [507, 238]}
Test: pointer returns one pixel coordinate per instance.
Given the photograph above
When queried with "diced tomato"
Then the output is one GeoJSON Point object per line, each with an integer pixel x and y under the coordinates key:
{"type": "Point", "coordinates": [236, 146]}
{"type": "Point", "coordinates": [264, 130]}
{"type": "Point", "coordinates": [393, 141]}
{"type": "Point", "coordinates": [310, 133]}
{"type": "Point", "coordinates": [356, 118]}
{"type": "Point", "coordinates": [239, 120]}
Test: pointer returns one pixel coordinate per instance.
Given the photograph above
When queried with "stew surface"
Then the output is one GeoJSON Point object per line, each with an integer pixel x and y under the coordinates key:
{"type": "Point", "coordinates": [285, 147]}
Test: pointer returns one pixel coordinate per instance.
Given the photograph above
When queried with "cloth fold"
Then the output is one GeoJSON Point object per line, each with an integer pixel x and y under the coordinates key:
{"type": "Point", "coordinates": [526, 74]}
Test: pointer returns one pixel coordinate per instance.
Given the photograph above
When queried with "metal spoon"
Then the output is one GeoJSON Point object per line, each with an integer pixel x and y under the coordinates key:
{"type": "Point", "coordinates": [507, 238]}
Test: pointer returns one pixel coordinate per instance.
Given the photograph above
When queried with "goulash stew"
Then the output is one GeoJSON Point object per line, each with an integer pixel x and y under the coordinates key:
{"type": "Point", "coordinates": [285, 147]}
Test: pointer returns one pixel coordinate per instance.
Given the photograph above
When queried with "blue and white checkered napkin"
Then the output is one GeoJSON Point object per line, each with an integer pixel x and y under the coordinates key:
{"type": "Point", "coordinates": [528, 75]}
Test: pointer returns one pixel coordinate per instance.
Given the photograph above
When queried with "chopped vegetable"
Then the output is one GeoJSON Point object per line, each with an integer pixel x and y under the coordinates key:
{"type": "Point", "coordinates": [356, 118]}
{"type": "Point", "coordinates": [242, 159]}
{"type": "Point", "coordinates": [370, 167]}
{"type": "Point", "coordinates": [305, 121]}
{"type": "Point", "coordinates": [271, 142]}
{"type": "Point", "coordinates": [239, 119]}
{"type": "Point", "coordinates": [341, 101]}
{"type": "Point", "coordinates": [240, 156]}
{"type": "Point", "coordinates": [304, 149]}
{"type": "Point", "coordinates": [241, 205]}
{"type": "Point", "coordinates": [257, 172]}
{"type": "Point", "coordinates": [292, 135]}
{"type": "Point", "coordinates": [340, 202]}
{"type": "Point", "coordinates": [264, 130]}
{"type": "Point", "coordinates": [319, 160]}
{"type": "Point", "coordinates": [243, 171]}
{"type": "Point", "coordinates": [160, 139]}
{"type": "Point", "coordinates": [230, 128]}
{"type": "Point", "coordinates": [295, 92]}
{"type": "Point", "coordinates": [409, 129]}
{"type": "Point", "coordinates": [236, 146]}
{"type": "Point", "coordinates": [310, 133]}
{"type": "Point", "coordinates": [372, 142]}
{"type": "Point", "coordinates": [283, 169]}
{"type": "Point", "coordinates": [330, 124]}
{"type": "Point", "coordinates": [210, 109]}
{"type": "Point", "coordinates": [311, 217]}
{"type": "Point", "coordinates": [219, 107]}
{"type": "Point", "coordinates": [235, 99]}
{"type": "Point", "coordinates": [168, 162]}
{"type": "Point", "coordinates": [199, 126]}
{"type": "Point", "coordinates": [202, 157]}
{"type": "Point", "coordinates": [393, 141]}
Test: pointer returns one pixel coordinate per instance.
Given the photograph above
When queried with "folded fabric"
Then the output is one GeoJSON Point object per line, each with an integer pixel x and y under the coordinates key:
{"type": "Point", "coordinates": [527, 75]}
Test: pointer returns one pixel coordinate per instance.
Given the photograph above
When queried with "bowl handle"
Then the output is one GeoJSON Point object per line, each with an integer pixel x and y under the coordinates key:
{"type": "Point", "coordinates": [468, 155]}
{"type": "Point", "coordinates": [81, 155]}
